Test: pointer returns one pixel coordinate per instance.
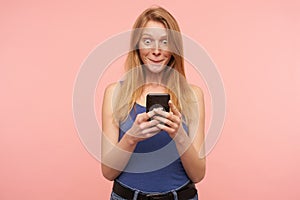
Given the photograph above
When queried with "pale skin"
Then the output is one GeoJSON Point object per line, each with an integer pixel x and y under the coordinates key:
{"type": "Point", "coordinates": [188, 145]}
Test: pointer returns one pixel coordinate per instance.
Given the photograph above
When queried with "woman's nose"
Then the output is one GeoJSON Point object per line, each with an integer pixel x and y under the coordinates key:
{"type": "Point", "coordinates": [156, 49]}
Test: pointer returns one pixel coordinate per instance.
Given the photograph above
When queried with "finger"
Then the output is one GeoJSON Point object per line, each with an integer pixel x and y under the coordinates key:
{"type": "Point", "coordinates": [148, 124]}
{"type": "Point", "coordinates": [166, 128]}
{"type": "Point", "coordinates": [151, 130]}
{"type": "Point", "coordinates": [165, 121]}
{"type": "Point", "coordinates": [150, 114]}
{"type": "Point", "coordinates": [174, 109]}
{"type": "Point", "coordinates": [170, 116]}
{"type": "Point", "coordinates": [162, 113]}
{"type": "Point", "coordinates": [143, 117]}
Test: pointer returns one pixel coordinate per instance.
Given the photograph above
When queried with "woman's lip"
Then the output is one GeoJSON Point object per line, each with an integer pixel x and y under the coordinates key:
{"type": "Point", "coordinates": [156, 61]}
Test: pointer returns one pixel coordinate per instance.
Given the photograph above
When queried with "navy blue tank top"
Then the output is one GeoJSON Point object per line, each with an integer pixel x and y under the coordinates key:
{"type": "Point", "coordinates": [155, 165]}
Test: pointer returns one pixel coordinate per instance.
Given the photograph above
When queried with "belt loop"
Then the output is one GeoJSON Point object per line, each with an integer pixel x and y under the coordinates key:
{"type": "Point", "coordinates": [136, 193]}
{"type": "Point", "coordinates": [174, 194]}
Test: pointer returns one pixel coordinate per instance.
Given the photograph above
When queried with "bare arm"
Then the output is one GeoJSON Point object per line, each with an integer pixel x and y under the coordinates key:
{"type": "Point", "coordinates": [193, 159]}
{"type": "Point", "coordinates": [190, 147]}
{"type": "Point", "coordinates": [116, 154]}
{"type": "Point", "coordinates": [111, 148]}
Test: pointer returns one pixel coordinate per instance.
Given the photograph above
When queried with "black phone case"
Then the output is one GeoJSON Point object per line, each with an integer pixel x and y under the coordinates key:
{"type": "Point", "coordinates": [157, 100]}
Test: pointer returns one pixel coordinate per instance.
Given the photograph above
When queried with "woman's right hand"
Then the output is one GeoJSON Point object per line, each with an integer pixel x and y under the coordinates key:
{"type": "Point", "coordinates": [142, 128]}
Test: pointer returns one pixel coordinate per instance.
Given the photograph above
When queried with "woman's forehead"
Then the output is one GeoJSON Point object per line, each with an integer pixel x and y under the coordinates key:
{"type": "Point", "coordinates": [154, 32]}
{"type": "Point", "coordinates": [154, 28]}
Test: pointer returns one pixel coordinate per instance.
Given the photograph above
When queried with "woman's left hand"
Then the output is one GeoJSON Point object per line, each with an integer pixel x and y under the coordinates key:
{"type": "Point", "coordinates": [171, 121]}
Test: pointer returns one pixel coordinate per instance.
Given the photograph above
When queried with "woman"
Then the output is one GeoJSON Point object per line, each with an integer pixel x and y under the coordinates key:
{"type": "Point", "coordinates": [174, 140]}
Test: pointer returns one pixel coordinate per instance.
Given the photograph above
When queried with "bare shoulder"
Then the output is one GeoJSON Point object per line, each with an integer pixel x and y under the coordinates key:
{"type": "Point", "coordinates": [109, 90]}
{"type": "Point", "coordinates": [198, 92]}
{"type": "Point", "coordinates": [108, 95]}
{"type": "Point", "coordinates": [111, 87]}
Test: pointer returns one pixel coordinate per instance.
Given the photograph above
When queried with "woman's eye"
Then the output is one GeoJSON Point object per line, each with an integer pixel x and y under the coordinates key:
{"type": "Point", "coordinates": [164, 42]}
{"type": "Point", "coordinates": [147, 41]}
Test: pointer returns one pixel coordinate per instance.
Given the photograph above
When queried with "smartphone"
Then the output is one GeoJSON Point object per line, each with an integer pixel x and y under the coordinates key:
{"type": "Point", "coordinates": [157, 100]}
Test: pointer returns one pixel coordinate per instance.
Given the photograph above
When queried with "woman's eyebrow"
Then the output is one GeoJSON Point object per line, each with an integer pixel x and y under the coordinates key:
{"type": "Point", "coordinates": [149, 34]}
{"type": "Point", "coordinates": [146, 34]}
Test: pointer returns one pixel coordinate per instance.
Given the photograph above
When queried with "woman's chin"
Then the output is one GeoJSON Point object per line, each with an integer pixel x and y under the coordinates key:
{"type": "Point", "coordinates": [155, 68]}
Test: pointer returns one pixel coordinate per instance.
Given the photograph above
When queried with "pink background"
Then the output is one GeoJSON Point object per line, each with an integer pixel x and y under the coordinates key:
{"type": "Point", "coordinates": [255, 45]}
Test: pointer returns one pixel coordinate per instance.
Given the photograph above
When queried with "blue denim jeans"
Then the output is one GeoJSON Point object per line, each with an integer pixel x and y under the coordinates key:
{"type": "Point", "coordinates": [114, 196]}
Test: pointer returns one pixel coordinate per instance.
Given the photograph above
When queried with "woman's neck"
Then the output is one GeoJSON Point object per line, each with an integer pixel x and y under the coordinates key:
{"type": "Point", "coordinates": [153, 78]}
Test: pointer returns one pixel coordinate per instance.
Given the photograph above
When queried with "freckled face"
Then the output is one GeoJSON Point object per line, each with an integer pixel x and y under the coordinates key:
{"type": "Point", "coordinates": [153, 47]}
